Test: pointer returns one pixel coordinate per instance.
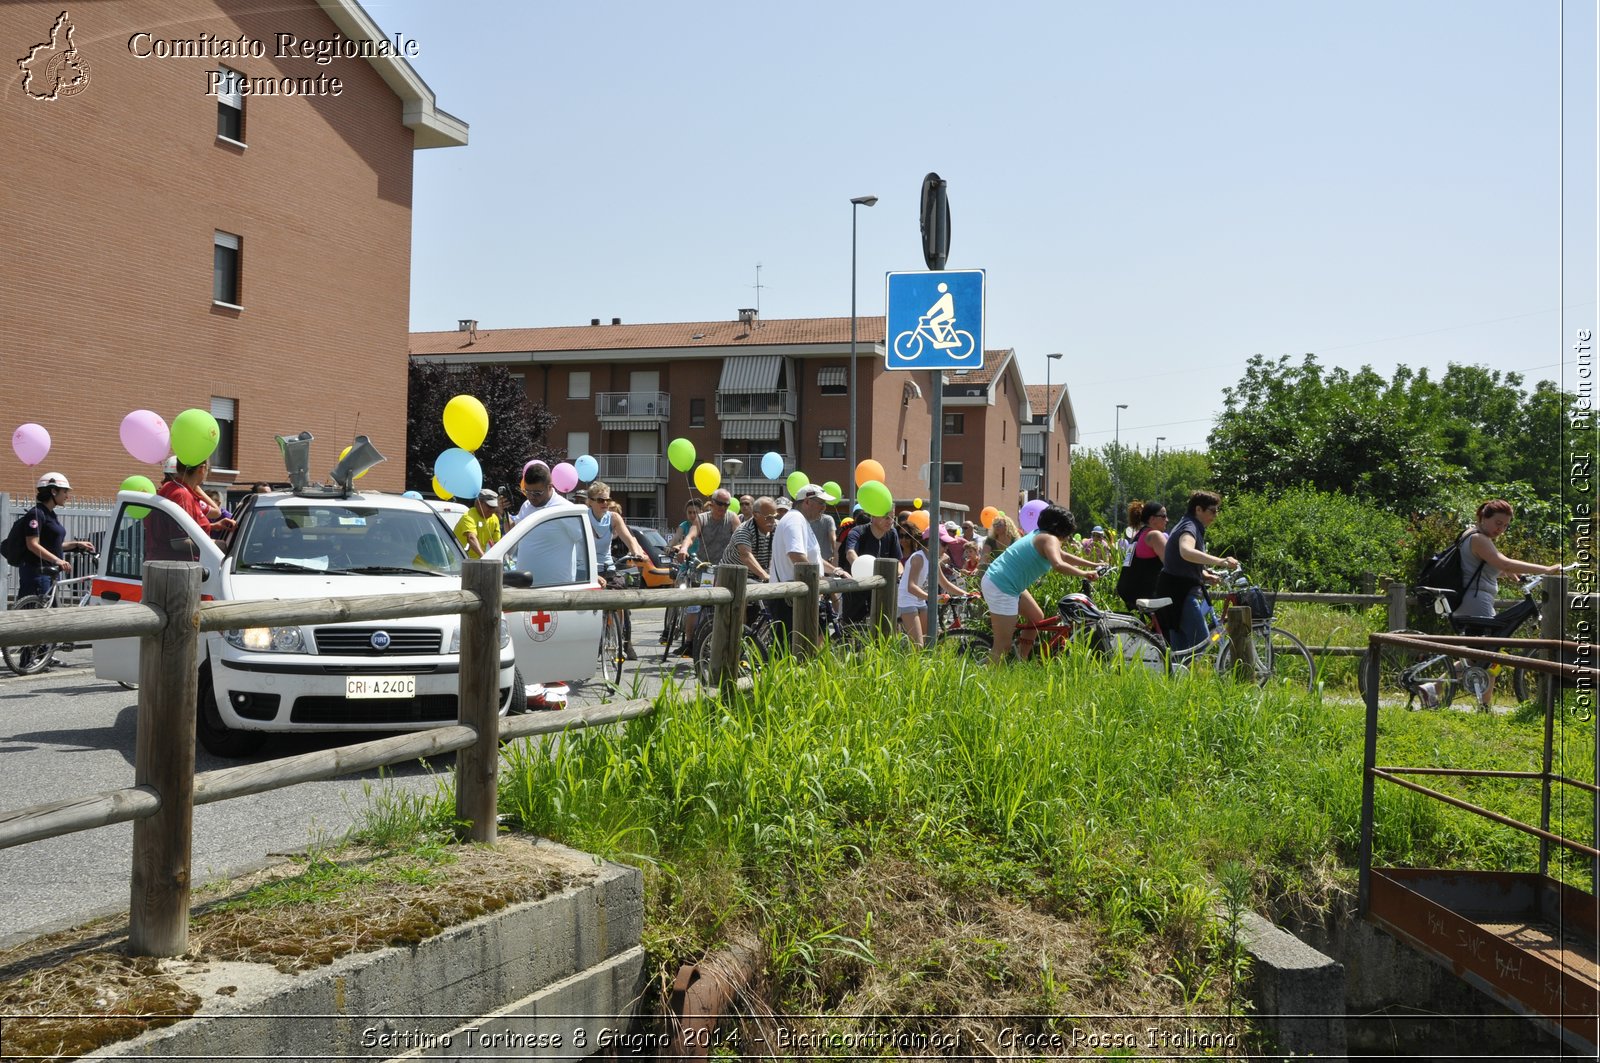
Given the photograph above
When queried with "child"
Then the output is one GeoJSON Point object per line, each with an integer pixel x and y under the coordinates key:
{"type": "Point", "coordinates": [913, 597]}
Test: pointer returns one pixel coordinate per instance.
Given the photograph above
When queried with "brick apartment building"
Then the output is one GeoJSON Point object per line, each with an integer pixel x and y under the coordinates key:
{"type": "Point", "coordinates": [1049, 404]}
{"type": "Point", "coordinates": [177, 240]}
{"type": "Point", "coordinates": [739, 388]}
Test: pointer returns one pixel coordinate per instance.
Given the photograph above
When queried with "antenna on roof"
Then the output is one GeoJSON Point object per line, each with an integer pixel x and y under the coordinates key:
{"type": "Point", "coordinates": [758, 286]}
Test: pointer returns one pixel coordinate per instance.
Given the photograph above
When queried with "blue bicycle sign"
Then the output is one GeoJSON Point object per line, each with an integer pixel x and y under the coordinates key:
{"type": "Point", "coordinates": [935, 320]}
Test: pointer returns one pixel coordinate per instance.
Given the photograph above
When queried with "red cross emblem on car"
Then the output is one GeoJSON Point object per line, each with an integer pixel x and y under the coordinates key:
{"type": "Point", "coordinates": [541, 625]}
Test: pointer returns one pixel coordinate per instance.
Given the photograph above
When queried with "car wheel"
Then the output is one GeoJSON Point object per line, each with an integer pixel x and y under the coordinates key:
{"type": "Point", "coordinates": [517, 701]}
{"type": "Point", "coordinates": [216, 737]}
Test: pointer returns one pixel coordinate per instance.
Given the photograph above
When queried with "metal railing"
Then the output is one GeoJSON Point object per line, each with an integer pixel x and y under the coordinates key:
{"type": "Point", "coordinates": [766, 404]}
{"type": "Point", "coordinates": [618, 467]}
{"type": "Point", "coordinates": [749, 476]}
{"type": "Point", "coordinates": [633, 404]}
{"type": "Point", "coordinates": [171, 617]}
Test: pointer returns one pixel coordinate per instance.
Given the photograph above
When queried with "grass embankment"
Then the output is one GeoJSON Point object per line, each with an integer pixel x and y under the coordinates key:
{"type": "Point", "coordinates": [866, 821]}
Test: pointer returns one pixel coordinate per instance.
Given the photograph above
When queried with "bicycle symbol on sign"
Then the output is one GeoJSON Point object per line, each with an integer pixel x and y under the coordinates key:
{"type": "Point", "coordinates": [936, 327]}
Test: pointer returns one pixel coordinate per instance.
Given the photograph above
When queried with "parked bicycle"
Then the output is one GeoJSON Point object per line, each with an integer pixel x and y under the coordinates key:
{"type": "Point", "coordinates": [39, 657]}
{"type": "Point", "coordinates": [1280, 656]}
{"type": "Point", "coordinates": [1115, 638]}
{"type": "Point", "coordinates": [1435, 680]}
{"type": "Point", "coordinates": [615, 631]}
{"type": "Point", "coordinates": [689, 574]}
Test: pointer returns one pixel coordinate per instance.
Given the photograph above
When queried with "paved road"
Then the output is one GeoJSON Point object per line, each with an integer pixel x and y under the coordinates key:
{"type": "Point", "coordinates": [67, 733]}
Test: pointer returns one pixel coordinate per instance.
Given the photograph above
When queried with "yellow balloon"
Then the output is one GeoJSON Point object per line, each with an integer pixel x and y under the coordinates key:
{"type": "Point", "coordinates": [438, 489]}
{"type": "Point", "coordinates": [706, 477]}
{"type": "Point", "coordinates": [466, 422]}
{"type": "Point", "coordinates": [360, 474]}
{"type": "Point", "coordinates": [916, 503]}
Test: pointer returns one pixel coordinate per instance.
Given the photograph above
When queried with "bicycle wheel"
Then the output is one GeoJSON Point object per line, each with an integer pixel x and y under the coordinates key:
{"type": "Point", "coordinates": [969, 645]}
{"type": "Point", "coordinates": [1281, 658]}
{"type": "Point", "coordinates": [671, 628]}
{"type": "Point", "coordinates": [34, 658]}
{"type": "Point", "coordinates": [908, 345]}
{"type": "Point", "coordinates": [1131, 646]}
{"type": "Point", "coordinates": [753, 652]}
{"type": "Point", "coordinates": [608, 659]}
{"type": "Point", "coordinates": [1392, 661]}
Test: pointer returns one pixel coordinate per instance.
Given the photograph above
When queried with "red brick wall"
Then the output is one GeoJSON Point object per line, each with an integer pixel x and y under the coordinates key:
{"type": "Point", "coordinates": [110, 200]}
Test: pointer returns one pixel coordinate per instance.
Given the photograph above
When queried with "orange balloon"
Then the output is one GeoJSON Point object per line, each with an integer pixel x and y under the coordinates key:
{"type": "Point", "coordinates": [918, 519]}
{"type": "Point", "coordinates": [987, 516]}
{"type": "Point", "coordinates": [868, 470]}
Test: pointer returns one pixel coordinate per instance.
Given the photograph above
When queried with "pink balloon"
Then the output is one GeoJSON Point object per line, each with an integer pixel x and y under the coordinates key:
{"type": "Point", "coordinates": [1028, 519]}
{"type": "Point", "coordinates": [31, 442]}
{"type": "Point", "coordinates": [146, 436]}
{"type": "Point", "coordinates": [564, 477]}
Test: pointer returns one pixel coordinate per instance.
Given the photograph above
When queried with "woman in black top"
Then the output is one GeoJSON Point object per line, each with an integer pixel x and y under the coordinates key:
{"type": "Point", "coordinates": [1148, 548]}
{"type": "Point", "coordinates": [45, 539]}
{"type": "Point", "coordinates": [1183, 574]}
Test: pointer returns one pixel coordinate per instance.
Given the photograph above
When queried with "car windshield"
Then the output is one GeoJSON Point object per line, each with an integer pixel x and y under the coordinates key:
{"type": "Point", "coordinates": [344, 537]}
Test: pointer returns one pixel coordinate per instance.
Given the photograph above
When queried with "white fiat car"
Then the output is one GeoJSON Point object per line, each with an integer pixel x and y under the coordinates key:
{"type": "Point", "coordinates": [394, 675]}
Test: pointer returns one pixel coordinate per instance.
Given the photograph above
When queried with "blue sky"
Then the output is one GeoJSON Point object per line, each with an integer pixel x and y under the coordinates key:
{"type": "Point", "coordinates": [1158, 190]}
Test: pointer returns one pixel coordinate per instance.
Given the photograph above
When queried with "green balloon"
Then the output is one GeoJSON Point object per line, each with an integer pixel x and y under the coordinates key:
{"type": "Point", "coordinates": [832, 487]}
{"type": "Point", "coordinates": [797, 480]}
{"type": "Point", "coordinates": [194, 436]}
{"type": "Point", "coordinates": [733, 505]}
{"type": "Point", "coordinates": [875, 498]}
{"type": "Point", "coordinates": [138, 483]}
{"type": "Point", "coordinates": [680, 452]}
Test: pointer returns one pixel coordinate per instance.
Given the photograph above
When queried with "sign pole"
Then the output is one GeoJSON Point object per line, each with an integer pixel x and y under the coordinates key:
{"type": "Point", "coordinates": [935, 479]}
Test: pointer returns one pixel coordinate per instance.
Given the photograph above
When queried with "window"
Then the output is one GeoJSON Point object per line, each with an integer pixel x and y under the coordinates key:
{"type": "Point", "coordinates": [230, 107]}
{"type": "Point", "coordinates": [830, 442]}
{"type": "Point", "coordinates": [697, 413]}
{"type": "Point", "coordinates": [955, 424]}
{"type": "Point", "coordinates": [577, 443]}
{"type": "Point", "coordinates": [833, 380]}
{"type": "Point", "coordinates": [578, 384]}
{"type": "Point", "coordinates": [225, 411]}
{"type": "Point", "coordinates": [225, 269]}
{"type": "Point", "coordinates": [952, 473]}
{"type": "Point", "coordinates": [902, 453]}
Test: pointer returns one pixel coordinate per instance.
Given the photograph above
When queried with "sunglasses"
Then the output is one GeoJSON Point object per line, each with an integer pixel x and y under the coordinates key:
{"type": "Point", "coordinates": [720, 505]}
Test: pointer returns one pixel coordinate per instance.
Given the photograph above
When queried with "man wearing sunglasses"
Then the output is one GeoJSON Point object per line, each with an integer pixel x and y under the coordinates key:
{"type": "Point", "coordinates": [714, 528]}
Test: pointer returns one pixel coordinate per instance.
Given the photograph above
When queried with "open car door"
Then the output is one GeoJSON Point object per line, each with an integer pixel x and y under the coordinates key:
{"type": "Point", "coordinates": [146, 528]}
{"type": "Point", "coordinates": [552, 549]}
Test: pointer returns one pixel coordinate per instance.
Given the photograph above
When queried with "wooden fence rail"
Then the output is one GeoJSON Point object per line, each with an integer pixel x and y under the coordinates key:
{"type": "Point", "coordinates": [170, 621]}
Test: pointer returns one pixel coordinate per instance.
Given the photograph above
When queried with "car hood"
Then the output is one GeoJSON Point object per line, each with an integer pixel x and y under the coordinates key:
{"type": "Point", "coordinates": [249, 586]}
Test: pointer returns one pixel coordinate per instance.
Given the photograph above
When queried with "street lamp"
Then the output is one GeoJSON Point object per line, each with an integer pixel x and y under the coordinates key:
{"type": "Point", "coordinates": [1049, 415]}
{"type": "Point", "coordinates": [858, 201]}
{"type": "Point", "coordinates": [1116, 469]}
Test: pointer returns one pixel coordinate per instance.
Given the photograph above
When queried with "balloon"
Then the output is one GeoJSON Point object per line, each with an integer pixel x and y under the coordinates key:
{"type": "Point", "coordinates": [833, 489]}
{"type": "Point", "coordinates": [916, 503]}
{"type": "Point", "coordinates": [797, 480]}
{"type": "Point", "coordinates": [772, 465]}
{"type": "Point", "coordinates": [438, 489]}
{"type": "Point", "coordinates": [194, 436]}
{"type": "Point", "coordinates": [586, 467]}
{"type": "Point", "coordinates": [412, 494]}
{"type": "Point", "coordinates": [918, 520]}
{"type": "Point", "coordinates": [31, 442]}
{"type": "Point", "coordinates": [987, 515]}
{"type": "Point", "coordinates": [733, 505]}
{"type": "Point", "coordinates": [564, 477]}
{"type": "Point", "coordinates": [875, 498]}
{"type": "Point", "coordinates": [460, 473]}
{"type": "Point", "coordinates": [869, 470]}
{"type": "Point", "coordinates": [145, 436]}
{"type": "Point", "coordinates": [706, 478]}
{"type": "Point", "coordinates": [466, 422]}
{"type": "Point", "coordinates": [680, 452]}
{"type": "Point", "coordinates": [139, 483]}
{"type": "Point", "coordinates": [1028, 518]}
{"type": "Point", "coordinates": [360, 474]}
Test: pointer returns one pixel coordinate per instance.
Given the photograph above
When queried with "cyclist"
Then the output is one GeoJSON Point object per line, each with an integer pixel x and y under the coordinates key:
{"type": "Point", "coordinates": [912, 598]}
{"type": "Point", "coordinates": [1481, 566]}
{"type": "Point", "coordinates": [45, 538]}
{"type": "Point", "coordinates": [691, 514]}
{"type": "Point", "coordinates": [794, 542]}
{"type": "Point", "coordinates": [1006, 581]}
{"type": "Point", "coordinates": [1183, 576]}
{"type": "Point", "coordinates": [713, 528]}
{"type": "Point", "coordinates": [751, 546]}
{"type": "Point", "coordinates": [871, 537]}
{"type": "Point", "coordinates": [1003, 531]}
{"type": "Point", "coordinates": [1145, 552]}
{"type": "Point", "coordinates": [604, 524]}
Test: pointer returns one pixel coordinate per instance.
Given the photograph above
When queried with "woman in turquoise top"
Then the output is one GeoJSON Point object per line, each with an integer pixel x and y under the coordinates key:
{"type": "Point", "coordinates": [1005, 584]}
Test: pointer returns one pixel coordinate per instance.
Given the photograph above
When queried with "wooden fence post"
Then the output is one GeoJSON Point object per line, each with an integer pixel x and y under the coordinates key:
{"type": "Point", "coordinates": [883, 598]}
{"type": "Point", "coordinates": [1397, 605]}
{"type": "Point", "coordinates": [1244, 647]}
{"type": "Point", "coordinates": [478, 702]}
{"type": "Point", "coordinates": [807, 634]}
{"type": "Point", "coordinates": [727, 629]}
{"type": "Point", "coordinates": [163, 759]}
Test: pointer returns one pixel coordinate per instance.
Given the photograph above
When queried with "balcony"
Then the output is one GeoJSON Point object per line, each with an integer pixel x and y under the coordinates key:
{"type": "Point", "coordinates": [749, 404]}
{"type": "Point", "coordinates": [748, 480]}
{"type": "Point", "coordinates": [632, 472]}
{"type": "Point", "coordinates": [632, 409]}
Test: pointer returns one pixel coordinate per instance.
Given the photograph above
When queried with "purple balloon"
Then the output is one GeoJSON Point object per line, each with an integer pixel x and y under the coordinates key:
{"type": "Point", "coordinates": [31, 443]}
{"type": "Point", "coordinates": [1028, 519]}
{"type": "Point", "coordinates": [146, 436]}
{"type": "Point", "coordinates": [564, 477]}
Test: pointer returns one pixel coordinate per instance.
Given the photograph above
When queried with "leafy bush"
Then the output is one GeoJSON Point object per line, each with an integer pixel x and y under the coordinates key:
{"type": "Point", "coordinates": [1304, 539]}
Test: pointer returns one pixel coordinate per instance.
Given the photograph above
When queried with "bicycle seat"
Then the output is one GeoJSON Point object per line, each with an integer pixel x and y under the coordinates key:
{"type": "Point", "coordinates": [1150, 605]}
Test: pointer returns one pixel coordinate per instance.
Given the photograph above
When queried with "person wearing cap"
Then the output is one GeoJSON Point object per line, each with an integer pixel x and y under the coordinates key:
{"type": "Point", "coordinates": [912, 599]}
{"type": "Point", "coordinates": [479, 527]}
{"type": "Point", "coordinates": [955, 547]}
{"type": "Point", "coordinates": [793, 542]}
{"type": "Point", "coordinates": [45, 538]}
{"type": "Point", "coordinates": [869, 537]}
{"type": "Point", "coordinates": [1098, 548]}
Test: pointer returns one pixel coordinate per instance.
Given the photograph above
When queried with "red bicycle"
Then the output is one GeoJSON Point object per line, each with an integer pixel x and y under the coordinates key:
{"type": "Point", "coordinates": [1107, 635]}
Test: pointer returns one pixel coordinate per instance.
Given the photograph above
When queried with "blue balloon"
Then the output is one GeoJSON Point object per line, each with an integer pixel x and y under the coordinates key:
{"type": "Point", "coordinates": [414, 494]}
{"type": "Point", "coordinates": [772, 465]}
{"type": "Point", "coordinates": [459, 473]}
{"type": "Point", "coordinates": [587, 468]}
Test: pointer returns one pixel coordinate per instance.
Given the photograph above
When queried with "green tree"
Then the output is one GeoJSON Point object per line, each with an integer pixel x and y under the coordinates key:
{"type": "Point", "coordinates": [517, 425]}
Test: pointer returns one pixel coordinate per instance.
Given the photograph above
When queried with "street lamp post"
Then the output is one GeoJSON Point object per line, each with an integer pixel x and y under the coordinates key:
{"type": "Point", "coordinates": [1049, 416]}
{"type": "Point", "coordinates": [1116, 468]}
{"type": "Point", "coordinates": [1160, 486]}
{"type": "Point", "coordinates": [858, 201]}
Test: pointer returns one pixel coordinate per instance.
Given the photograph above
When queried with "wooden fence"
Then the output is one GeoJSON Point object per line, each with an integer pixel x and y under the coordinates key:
{"type": "Point", "coordinates": [172, 617]}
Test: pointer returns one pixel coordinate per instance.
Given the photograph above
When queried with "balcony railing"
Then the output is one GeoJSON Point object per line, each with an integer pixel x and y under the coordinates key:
{"type": "Point", "coordinates": [744, 404]}
{"type": "Point", "coordinates": [618, 468]}
{"type": "Point", "coordinates": [634, 405]}
{"type": "Point", "coordinates": [749, 477]}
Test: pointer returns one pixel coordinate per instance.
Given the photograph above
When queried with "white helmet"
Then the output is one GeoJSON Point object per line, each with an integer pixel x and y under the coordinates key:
{"type": "Point", "coordinates": [53, 479]}
{"type": "Point", "coordinates": [170, 466]}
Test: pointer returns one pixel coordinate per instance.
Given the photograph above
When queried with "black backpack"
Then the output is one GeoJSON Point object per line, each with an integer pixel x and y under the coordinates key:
{"type": "Point", "coordinates": [15, 547]}
{"type": "Point", "coordinates": [1442, 572]}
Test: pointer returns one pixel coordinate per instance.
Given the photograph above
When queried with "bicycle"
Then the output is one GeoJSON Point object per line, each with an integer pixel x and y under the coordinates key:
{"type": "Point", "coordinates": [38, 657]}
{"type": "Point", "coordinates": [755, 646]}
{"type": "Point", "coordinates": [1280, 656]}
{"type": "Point", "coordinates": [612, 655]}
{"type": "Point", "coordinates": [688, 575]}
{"type": "Point", "coordinates": [1114, 637]}
{"type": "Point", "coordinates": [1435, 680]}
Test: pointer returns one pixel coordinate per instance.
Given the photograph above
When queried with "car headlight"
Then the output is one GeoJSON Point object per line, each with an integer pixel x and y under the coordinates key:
{"type": "Point", "coordinates": [505, 636]}
{"type": "Point", "coordinates": [266, 639]}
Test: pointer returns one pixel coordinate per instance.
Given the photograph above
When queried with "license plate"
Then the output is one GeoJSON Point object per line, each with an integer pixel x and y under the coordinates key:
{"type": "Point", "coordinates": [380, 686]}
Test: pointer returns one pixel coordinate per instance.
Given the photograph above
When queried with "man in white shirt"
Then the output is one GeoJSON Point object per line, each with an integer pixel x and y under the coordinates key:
{"type": "Point", "coordinates": [537, 487]}
{"type": "Point", "coordinates": [794, 542]}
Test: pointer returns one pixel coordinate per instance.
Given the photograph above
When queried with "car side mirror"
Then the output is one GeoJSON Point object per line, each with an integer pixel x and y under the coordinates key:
{"type": "Point", "coordinates": [517, 579]}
